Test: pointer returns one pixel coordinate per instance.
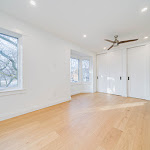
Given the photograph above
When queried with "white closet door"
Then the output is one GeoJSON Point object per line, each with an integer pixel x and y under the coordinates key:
{"type": "Point", "coordinates": [137, 72]}
{"type": "Point", "coordinates": [102, 73]}
{"type": "Point", "coordinates": [109, 71]}
{"type": "Point", "coordinates": [115, 72]}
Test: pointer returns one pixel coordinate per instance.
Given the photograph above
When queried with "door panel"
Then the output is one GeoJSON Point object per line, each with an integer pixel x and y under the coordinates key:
{"type": "Point", "coordinates": [115, 72]}
{"type": "Point", "coordinates": [137, 71]}
{"type": "Point", "coordinates": [102, 73]}
{"type": "Point", "coordinates": [109, 71]}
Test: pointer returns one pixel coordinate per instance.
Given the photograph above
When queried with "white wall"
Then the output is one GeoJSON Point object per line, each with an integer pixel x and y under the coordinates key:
{"type": "Point", "coordinates": [46, 70]}
{"type": "Point", "coordinates": [81, 88]}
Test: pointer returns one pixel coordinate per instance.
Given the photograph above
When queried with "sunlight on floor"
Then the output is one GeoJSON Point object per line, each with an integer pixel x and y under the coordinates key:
{"type": "Point", "coordinates": [111, 107]}
{"type": "Point", "coordinates": [123, 105]}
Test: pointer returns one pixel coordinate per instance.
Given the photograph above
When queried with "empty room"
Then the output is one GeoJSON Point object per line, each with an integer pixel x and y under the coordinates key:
{"type": "Point", "coordinates": [74, 75]}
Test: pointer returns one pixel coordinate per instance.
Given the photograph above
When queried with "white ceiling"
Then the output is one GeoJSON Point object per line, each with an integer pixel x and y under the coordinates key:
{"type": "Point", "coordinates": [98, 19]}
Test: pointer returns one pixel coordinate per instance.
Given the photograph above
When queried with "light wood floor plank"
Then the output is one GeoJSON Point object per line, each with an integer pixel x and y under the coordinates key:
{"type": "Point", "coordinates": [88, 122]}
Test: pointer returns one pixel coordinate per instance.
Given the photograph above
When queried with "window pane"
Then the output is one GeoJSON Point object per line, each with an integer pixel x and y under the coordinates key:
{"type": "Point", "coordinates": [74, 68]}
{"type": "Point", "coordinates": [85, 70]}
{"type": "Point", "coordinates": [8, 61]}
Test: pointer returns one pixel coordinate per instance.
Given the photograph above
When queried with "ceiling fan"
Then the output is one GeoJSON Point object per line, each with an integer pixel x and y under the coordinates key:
{"type": "Point", "coordinates": [116, 42]}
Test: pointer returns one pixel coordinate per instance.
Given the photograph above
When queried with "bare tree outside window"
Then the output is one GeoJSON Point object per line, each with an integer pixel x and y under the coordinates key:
{"type": "Point", "coordinates": [74, 69]}
{"type": "Point", "coordinates": [8, 61]}
{"type": "Point", "coordinates": [86, 70]}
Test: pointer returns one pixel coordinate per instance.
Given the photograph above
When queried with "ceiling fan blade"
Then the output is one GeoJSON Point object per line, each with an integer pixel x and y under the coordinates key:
{"type": "Point", "coordinates": [109, 41]}
{"type": "Point", "coordinates": [110, 47]}
{"type": "Point", "coordinates": [127, 41]}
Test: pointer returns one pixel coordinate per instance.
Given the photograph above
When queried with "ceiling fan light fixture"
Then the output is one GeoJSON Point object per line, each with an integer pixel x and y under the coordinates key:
{"type": "Point", "coordinates": [104, 48]}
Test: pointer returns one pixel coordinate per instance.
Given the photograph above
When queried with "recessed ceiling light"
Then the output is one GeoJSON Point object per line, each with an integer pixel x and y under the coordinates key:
{"type": "Point", "coordinates": [84, 36]}
{"type": "Point", "coordinates": [144, 9]}
{"type": "Point", "coordinates": [146, 37]}
{"type": "Point", "coordinates": [32, 2]}
{"type": "Point", "coordinates": [104, 48]}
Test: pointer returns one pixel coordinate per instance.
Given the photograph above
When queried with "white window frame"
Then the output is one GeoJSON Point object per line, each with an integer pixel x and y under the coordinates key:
{"type": "Point", "coordinates": [86, 58]}
{"type": "Point", "coordinates": [19, 88]}
{"type": "Point", "coordinates": [80, 58]}
{"type": "Point", "coordinates": [79, 77]}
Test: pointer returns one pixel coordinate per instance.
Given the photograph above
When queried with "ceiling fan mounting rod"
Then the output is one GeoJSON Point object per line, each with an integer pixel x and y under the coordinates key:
{"type": "Point", "coordinates": [116, 36]}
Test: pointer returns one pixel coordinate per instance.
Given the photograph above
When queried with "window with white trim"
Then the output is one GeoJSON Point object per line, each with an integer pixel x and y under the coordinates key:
{"type": "Point", "coordinates": [85, 70]}
{"type": "Point", "coordinates": [79, 69]}
{"type": "Point", "coordinates": [74, 70]}
{"type": "Point", "coordinates": [9, 61]}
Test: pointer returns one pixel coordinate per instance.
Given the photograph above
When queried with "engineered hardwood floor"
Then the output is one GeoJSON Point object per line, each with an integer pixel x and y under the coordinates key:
{"type": "Point", "coordinates": [88, 122]}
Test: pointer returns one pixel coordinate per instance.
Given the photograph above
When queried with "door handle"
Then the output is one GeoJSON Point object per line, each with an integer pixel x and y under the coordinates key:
{"type": "Point", "coordinates": [128, 78]}
{"type": "Point", "coordinates": [120, 78]}
{"type": "Point", "coordinates": [97, 77]}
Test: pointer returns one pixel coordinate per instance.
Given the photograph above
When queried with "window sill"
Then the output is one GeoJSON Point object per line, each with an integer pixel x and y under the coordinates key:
{"type": "Point", "coordinates": [87, 82]}
{"type": "Point", "coordinates": [75, 83]}
{"type": "Point", "coordinates": [12, 92]}
{"type": "Point", "coordinates": [81, 83]}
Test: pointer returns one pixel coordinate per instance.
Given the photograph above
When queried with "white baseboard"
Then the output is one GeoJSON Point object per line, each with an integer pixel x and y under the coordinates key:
{"type": "Point", "coordinates": [78, 92]}
{"type": "Point", "coordinates": [31, 109]}
{"type": "Point", "coordinates": [74, 93]}
{"type": "Point", "coordinates": [87, 91]}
